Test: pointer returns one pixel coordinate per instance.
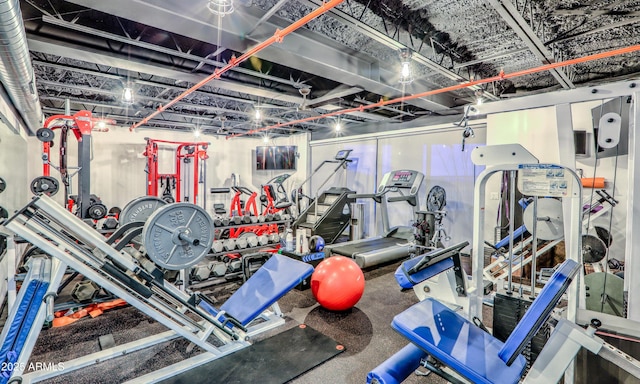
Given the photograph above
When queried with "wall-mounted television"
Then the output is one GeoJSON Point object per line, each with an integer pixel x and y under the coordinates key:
{"type": "Point", "coordinates": [276, 158]}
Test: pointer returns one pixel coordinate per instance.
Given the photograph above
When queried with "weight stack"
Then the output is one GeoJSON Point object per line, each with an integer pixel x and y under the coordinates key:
{"type": "Point", "coordinates": [507, 312]}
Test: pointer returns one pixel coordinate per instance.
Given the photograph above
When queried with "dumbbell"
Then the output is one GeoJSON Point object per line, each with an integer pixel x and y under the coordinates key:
{"type": "Point", "coordinates": [225, 220]}
{"type": "Point", "coordinates": [217, 246]}
{"type": "Point", "coordinates": [235, 265]}
{"type": "Point", "coordinates": [110, 223]}
{"type": "Point", "coordinates": [263, 240]}
{"type": "Point", "coordinates": [274, 238]}
{"type": "Point", "coordinates": [200, 272]}
{"type": "Point", "coordinates": [246, 219]}
{"type": "Point", "coordinates": [241, 242]}
{"type": "Point", "coordinates": [261, 219]}
{"type": "Point", "coordinates": [254, 219]}
{"type": "Point", "coordinates": [217, 221]}
{"type": "Point", "coordinates": [285, 217]}
{"type": "Point", "coordinates": [268, 217]}
{"type": "Point", "coordinates": [277, 217]}
{"type": "Point", "coordinates": [252, 241]}
{"type": "Point", "coordinates": [218, 268]}
{"type": "Point", "coordinates": [229, 244]}
{"type": "Point", "coordinates": [237, 220]}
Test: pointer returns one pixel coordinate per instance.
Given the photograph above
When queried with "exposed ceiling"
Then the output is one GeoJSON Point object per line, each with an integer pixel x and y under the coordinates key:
{"type": "Point", "coordinates": [86, 51]}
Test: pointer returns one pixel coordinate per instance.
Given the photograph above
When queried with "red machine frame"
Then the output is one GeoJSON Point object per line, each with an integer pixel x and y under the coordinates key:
{"type": "Point", "coordinates": [83, 125]}
{"type": "Point", "coordinates": [151, 152]}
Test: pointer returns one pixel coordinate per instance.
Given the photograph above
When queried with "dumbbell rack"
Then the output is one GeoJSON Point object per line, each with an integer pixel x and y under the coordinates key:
{"type": "Point", "coordinates": [230, 276]}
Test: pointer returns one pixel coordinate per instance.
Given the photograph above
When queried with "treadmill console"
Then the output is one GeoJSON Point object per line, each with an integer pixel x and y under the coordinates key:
{"type": "Point", "coordinates": [343, 155]}
{"type": "Point", "coordinates": [403, 179]}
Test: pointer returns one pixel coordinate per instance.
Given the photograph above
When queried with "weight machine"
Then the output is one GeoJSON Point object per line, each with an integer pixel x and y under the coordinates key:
{"type": "Point", "coordinates": [81, 124]}
{"type": "Point", "coordinates": [462, 351]}
{"type": "Point", "coordinates": [176, 236]}
{"type": "Point", "coordinates": [194, 153]}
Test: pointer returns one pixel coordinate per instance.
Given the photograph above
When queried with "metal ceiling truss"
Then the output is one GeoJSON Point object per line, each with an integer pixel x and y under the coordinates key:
{"type": "Point", "coordinates": [529, 26]}
{"type": "Point", "coordinates": [403, 39]}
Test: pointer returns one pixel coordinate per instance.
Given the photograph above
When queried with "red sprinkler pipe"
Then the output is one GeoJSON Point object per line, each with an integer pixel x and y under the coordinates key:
{"type": "Point", "coordinates": [501, 76]}
{"type": "Point", "coordinates": [276, 38]}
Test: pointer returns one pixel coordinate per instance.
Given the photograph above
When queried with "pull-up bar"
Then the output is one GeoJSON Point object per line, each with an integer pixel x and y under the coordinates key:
{"type": "Point", "coordinates": [500, 76]}
{"type": "Point", "coordinates": [276, 38]}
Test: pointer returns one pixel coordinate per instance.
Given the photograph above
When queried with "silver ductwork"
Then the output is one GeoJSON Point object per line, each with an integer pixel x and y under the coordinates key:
{"type": "Point", "coordinates": [16, 71]}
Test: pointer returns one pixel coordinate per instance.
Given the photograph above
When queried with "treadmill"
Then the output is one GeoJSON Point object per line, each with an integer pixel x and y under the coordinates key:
{"type": "Point", "coordinates": [396, 242]}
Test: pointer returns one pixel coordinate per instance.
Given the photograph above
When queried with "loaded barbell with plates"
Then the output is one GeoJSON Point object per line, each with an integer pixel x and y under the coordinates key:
{"type": "Point", "coordinates": [177, 236]}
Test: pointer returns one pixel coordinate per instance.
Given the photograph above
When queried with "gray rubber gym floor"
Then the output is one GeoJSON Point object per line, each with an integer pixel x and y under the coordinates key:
{"type": "Point", "coordinates": [365, 331]}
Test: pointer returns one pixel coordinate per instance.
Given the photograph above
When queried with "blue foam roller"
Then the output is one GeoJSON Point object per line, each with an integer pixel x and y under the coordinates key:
{"type": "Point", "coordinates": [398, 367]}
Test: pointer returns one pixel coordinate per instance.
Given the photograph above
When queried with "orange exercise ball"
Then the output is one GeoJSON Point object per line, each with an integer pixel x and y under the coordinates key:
{"type": "Point", "coordinates": [337, 283]}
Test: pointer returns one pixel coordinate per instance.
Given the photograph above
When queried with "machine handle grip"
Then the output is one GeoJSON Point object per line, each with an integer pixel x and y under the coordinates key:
{"type": "Point", "coordinates": [220, 190]}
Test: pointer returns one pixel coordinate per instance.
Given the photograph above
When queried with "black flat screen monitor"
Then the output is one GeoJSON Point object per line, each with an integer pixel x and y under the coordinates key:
{"type": "Point", "coordinates": [276, 158]}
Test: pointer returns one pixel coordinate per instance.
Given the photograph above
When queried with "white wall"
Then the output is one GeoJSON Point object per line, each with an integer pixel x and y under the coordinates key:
{"type": "Point", "coordinates": [118, 166]}
{"type": "Point", "coordinates": [13, 169]}
{"type": "Point", "coordinates": [436, 152]}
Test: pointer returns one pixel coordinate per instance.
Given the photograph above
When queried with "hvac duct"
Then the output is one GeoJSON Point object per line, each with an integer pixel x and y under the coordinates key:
{"type": "Point", "coordinates": [16, 72]}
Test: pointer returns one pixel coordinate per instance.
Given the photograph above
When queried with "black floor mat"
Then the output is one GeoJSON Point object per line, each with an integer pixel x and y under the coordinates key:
{"type": "Point", "coordinates": [277, 359]}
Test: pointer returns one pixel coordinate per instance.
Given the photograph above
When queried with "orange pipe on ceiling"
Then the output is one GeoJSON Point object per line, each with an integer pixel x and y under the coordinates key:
{"type": "Point", "coordinates": [276, 38]}
{"type": "Point", "coordinates": [501, 76]}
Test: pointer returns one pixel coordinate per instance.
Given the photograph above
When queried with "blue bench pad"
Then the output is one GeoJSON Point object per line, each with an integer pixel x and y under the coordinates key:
{"type": "Point", "coordinates": [457, 343]}
{"type": "Point", "coordinates": [272, 281]}
{"type": "Point", "coordinates": [406, 280]}
{"type": "Point", "coordinates": [540, 309]}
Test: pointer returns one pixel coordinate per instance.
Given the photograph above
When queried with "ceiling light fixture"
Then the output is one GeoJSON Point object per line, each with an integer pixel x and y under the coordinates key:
{"type": "Point", "coordinates": [338, 126]}
{"type": "Point", "coordinates": [265, 139]}
{"type": "Point", "coordinates": [196, 133]}
{"type": "Point", "coordinates": [258, 115]}
{"type": "Point", "coordinates": [128, 96]}
{"type": "Point", "coordinates": [220, 7]}
{"type": "Point", "coordinates": [405, 66]}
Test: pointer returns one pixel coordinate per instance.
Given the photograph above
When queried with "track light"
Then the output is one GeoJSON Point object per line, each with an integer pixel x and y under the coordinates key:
{"type": "Point", "coordinates": [220, 7]}
{"type": "Point", "coordinates": [128, 95]}
{"type": "Point", "coordinates": [258, 115]}
{"type": "Point", "coordinates": [479, 101]}
{"type": "Point", "coordinates": [405, 66]}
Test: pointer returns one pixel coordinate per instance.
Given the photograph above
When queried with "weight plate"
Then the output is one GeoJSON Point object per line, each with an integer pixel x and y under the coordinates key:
{"type": "Point", "coordinates": [549, 219]}
{"type": "Point", "coordinates": [97, 211]}
{"type": "Point", "coordinates": [604, 293]}
{"type": "Point", "coordinates": [436, 199]}
{"type": "Point", "coordinates": [45, 135]}
{"type": "Point", "coordinates": [593, 249]}
{"type": "Point", "coordinates": [177, 236]}
{"type": "Point", "coordinates": [140, 209]}
{"type": "Point", "coordinates": [44, 184]}
{"type": "Point", "coordinates": [3, 185]}
{"type": "Point", "coordinates": [604, 235]}
{"type": "Point", "coordinates": [4, 214]}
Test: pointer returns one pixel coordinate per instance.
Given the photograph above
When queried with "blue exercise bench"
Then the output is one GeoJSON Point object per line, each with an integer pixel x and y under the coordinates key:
{"type": "Point", "coordinates": [474, 354]}
{"type": "Point", "coordinates": [274, 279]}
